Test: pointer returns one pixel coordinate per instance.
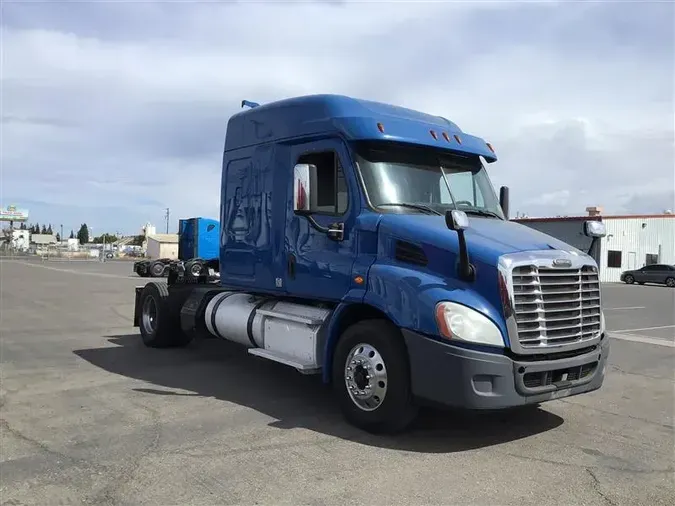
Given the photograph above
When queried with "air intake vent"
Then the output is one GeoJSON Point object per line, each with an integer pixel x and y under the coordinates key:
{"type": "Point", "coordinates": [410, 253]}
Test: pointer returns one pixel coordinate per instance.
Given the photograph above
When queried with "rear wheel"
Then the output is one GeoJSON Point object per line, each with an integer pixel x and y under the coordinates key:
{"type": "Point", "coordinates": [157, 269]}
{"type": "Point", "coordinates": [670, 282]}
{"type": "Point", "coordinates": [160, 318]}
{"type": "Point", "coordinates": [629, 279]}
{"type": "Point", "coordinates": [371, 377]}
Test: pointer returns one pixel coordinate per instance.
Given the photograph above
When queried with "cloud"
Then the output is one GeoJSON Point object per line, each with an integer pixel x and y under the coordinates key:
{"type": "Point", "coordinates": [112, 111]}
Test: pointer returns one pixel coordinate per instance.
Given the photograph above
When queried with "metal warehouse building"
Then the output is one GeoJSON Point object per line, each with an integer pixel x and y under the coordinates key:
{"type": "Point", "coordinates": [162, 246]}
{"type": "Point", "coordinates": [632, 241]}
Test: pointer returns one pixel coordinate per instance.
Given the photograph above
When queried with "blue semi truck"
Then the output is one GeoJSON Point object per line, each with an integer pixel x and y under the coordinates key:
{"type": "Point", "coordinates": [198, 248]}
{"type": "Point", "coordinates": [364, 242]}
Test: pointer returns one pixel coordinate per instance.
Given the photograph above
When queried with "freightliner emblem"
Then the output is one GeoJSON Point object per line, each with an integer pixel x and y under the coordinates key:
{"type": "Point", "coordinates": [562, 262]}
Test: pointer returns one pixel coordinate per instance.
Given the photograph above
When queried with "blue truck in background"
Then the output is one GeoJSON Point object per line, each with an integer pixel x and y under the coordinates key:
{"type": "Point", "coordinates": [364, 242]}
{"type": "Point", "coordinates": [198, 251]}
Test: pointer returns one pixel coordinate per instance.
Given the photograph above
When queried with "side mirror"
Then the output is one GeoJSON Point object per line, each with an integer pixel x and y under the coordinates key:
{"type": "Point", "coordinates": [594, 229]}
{"type": "Point", "coordinates": [456, 220]}
{"type": "Point", "coordinates": [304, 188]}
{"type": "Point", "coordinates": [504, 200]}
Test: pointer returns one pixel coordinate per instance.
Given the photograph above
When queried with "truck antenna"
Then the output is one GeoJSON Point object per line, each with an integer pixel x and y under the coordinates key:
{"type": "Point", "coordinates": [249, 104]}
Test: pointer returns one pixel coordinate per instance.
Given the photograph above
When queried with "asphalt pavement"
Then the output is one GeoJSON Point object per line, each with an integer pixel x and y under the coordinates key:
{"type": "Point", "coordinates": [89, 415]}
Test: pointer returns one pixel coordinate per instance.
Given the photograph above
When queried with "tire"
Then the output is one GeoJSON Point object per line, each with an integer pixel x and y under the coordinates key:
{"type": "Point", "coordinates": [395, 411]}
{"type": "Point", "coordinates": [160, 318]}
{"type": "Point", "coordinates": [193, 268]}
{"type": "Point", "coordinates": [629, 280]}
{"type": "Point", "coordinates": [670, 281]}
{"type": "Point", "coordinates": [156, 269]}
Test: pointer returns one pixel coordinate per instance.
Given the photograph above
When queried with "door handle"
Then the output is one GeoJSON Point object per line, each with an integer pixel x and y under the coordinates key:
{"type": "Point", "coordinates": [291, 265]}
{"type": "Point", "coordinates": [336, 231]}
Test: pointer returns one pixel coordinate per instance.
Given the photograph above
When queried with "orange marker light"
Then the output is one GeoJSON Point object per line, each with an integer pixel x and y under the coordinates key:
{"type": "Point", "coordinates": [433, 134]}
{"type": "Point", "coordinates": [446, 136]}
{"type": "Point", "coordinates": [490, 147]}
{"type": "Point", "coordinates": [380, 127]}
{"type": "Point", "coordinates": [358, 280]}
{"type": "Point", "coordinates": [457, 138]}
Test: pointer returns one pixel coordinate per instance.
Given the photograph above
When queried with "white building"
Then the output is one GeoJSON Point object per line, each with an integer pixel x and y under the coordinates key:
{"type": "Point", "coordinates": [632, 241]}
{"type": "Point", "coordinates": [162, 246]}
{"type": "Point", "coordinates": [20, 240]}
{"type": "Point", "coordinates": [635, 241]}
{"type": "Point", "coordinates": [72, 244]}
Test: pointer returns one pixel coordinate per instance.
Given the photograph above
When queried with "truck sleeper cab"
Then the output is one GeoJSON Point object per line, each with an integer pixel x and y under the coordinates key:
{"type": "Point", "coordinates": [365, 242]}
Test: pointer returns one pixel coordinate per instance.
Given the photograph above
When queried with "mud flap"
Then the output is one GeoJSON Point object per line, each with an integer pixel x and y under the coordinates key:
{"type": "Point", "coordinates": [137, 306]}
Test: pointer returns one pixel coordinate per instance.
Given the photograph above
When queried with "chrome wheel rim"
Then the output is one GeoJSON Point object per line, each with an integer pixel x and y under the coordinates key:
{"type": "Point", "coordinates": [366, 377]}
{"type": "Point", "coordinates": [149, 315]}
{"type": "Point", "coordinates": [196, 270]}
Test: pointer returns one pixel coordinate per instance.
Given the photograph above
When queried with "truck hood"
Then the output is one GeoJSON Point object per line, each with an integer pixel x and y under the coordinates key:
{"type": "Point", "coordinates": [487, 238]}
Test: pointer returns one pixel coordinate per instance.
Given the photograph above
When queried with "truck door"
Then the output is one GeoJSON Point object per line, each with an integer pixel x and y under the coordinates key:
{"type": "Point", "coordinates": [317, 265]}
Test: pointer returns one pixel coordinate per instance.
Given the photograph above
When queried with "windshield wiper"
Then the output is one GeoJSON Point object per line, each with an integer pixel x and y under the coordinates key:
{"type": "Point", "coordinates": [481, 212]}
{"type": "Point", "coordinates": [419, 207]}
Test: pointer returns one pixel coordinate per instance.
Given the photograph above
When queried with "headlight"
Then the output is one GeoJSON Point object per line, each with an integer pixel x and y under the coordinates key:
{"type": "Point", "coordinates": [465, 324]}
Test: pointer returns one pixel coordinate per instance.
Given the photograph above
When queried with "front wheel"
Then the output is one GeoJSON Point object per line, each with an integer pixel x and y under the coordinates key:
{"type": "Point", "coordinates": [371, 377]}
{"type": "Point", "coordinates": [629, 279]}
{"type": "Point", "coordinates": [670, 282]}
{"type": "Point", "coordinates": [194, 268]}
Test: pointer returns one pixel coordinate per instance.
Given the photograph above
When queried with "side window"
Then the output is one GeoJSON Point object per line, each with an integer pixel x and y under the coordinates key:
{"type": "Point", "coordinates": [613, 258]}
{"type": "Point", "coordinates": [332, 192]}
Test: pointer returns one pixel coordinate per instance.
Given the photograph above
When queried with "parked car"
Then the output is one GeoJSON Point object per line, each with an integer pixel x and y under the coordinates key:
{"type": "Point", "coordinates": [661, 274]}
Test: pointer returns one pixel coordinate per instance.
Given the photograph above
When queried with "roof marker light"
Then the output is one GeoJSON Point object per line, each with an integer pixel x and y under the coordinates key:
{"type": "Point", "coordinates": [380, 127]}
{"type": "Point", "coordinates": [490, 147]}
{"type": "Point", "coordinates": [433, 134]}
{"type": "Point", "coordinates": [458, 139]}
{"type": "Point", "coordinates": [446, 136]}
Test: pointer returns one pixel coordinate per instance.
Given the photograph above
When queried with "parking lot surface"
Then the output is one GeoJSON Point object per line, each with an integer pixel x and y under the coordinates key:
{"type": "Point", "coordinates": [89, 415]}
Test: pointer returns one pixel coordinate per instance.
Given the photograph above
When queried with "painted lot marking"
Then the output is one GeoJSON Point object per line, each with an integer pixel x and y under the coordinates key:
{"type": "Point", "coordinates": [70, 271]}
{"type": "Point", "coordinates": [643, 339]}
{"type": "Point", "coordinates": [622, 308]}
{"type": "Point", "coordinates": [645, 328]}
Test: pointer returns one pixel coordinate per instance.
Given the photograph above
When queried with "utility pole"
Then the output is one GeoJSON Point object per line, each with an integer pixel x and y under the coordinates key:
{"type": "Point", "coordinates": [167, 220]}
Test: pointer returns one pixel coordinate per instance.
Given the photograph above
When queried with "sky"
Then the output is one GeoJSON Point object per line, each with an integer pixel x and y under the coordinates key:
{"type": "Point", "coordinates": [113, 111]}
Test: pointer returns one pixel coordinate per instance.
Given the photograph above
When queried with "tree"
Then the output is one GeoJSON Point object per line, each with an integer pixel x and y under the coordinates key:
{"type": "Point", "coordinates": [22, 226]}
{"type": "Point", "coordinates": [37, 228]}
{"type": "Point", "coordinates": [49, 229]}
{"type": "Point", "coordinates": [83, 234]}
{"type": "Point", "coordinates": [107, 238]}
{"type": "Point", "coordinates": [72, 234]}
{"type": "Point", "coordinates": [58, 237]}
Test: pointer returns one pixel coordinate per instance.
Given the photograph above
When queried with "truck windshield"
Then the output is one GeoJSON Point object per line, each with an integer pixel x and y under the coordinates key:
{"type": "Point", "coordinates": [425, 180]}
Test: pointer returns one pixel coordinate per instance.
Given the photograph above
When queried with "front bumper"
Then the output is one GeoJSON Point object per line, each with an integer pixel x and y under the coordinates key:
{"type": "Point", "coordinates": [458, 377]}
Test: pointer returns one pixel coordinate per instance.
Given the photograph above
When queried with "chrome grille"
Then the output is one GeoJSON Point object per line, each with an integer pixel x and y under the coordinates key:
{"type": "Point", "coordinates": [555, 306]}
